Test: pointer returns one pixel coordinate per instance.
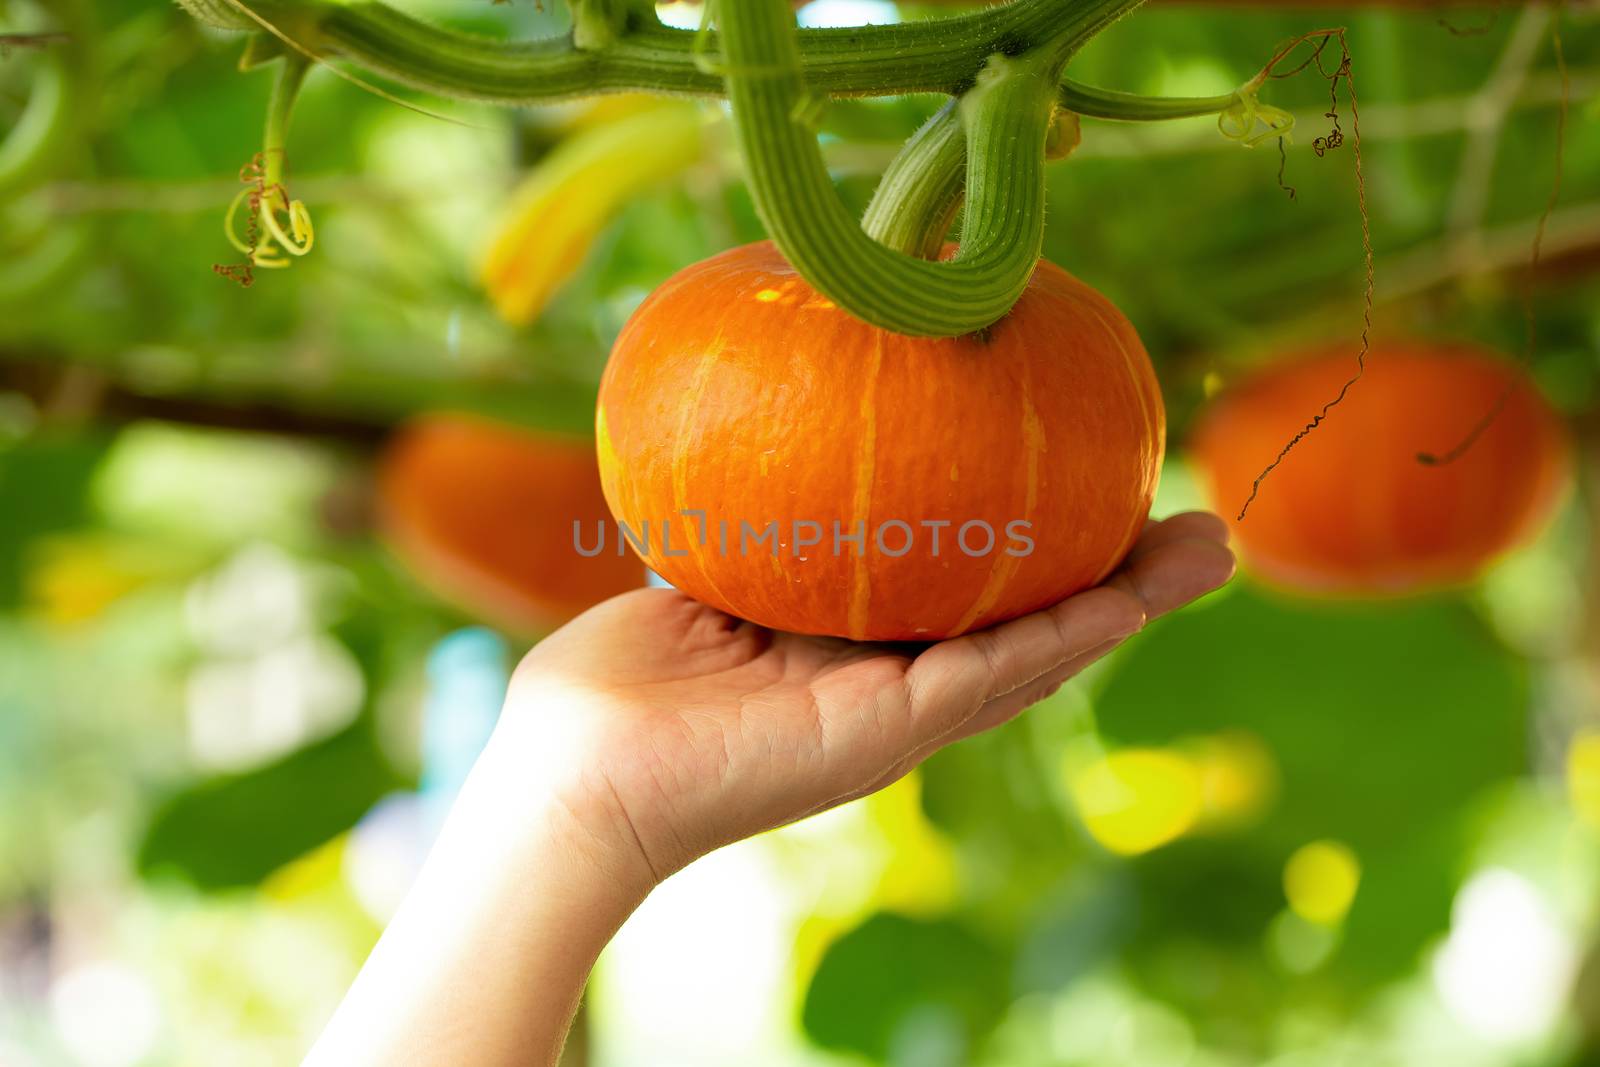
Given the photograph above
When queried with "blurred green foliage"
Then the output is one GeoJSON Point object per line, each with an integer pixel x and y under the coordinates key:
{"type": "Point", "coordinates": [907, 990]}
{"type": "Point", "coordinates": [43, 488]}
{"type": "Point", "coordinates": [1387, 759]}
{"type": "Point", "coordinates": [237, 829]}
{"type": "Point", "coordinates": [158, 423]}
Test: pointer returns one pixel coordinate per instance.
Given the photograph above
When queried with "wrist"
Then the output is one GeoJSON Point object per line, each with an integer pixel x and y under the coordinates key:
{"type": "Point", "coordinates": [486, 959]}
{"type": "Point", "coordinates": [556, 820]}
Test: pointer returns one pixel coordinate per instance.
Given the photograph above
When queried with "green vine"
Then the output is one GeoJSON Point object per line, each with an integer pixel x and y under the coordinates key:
{"type": "Point", "coordinates": [1131, 107]}
{"type": "Point", "coordinates": [46, 137]}
{"type": "Point", "coordinates": [920, 194]}
{"type": "Point", "coordinates": [635, 52]}
{"type": "Point", "coordinates": [986, 150]}
{"type": "Point", "coordinates": [918, 197]}
{"type": "Point", "coordinates": [1006, 115]}
{"type": "Point", "coordinates": [49, 125]}
{"type": "Point", "coordinates": [266, 241]}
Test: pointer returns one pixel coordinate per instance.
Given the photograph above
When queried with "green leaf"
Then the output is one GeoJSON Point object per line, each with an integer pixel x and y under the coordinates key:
{"type": "Point", "coordinates": [906, 990]}
{"type": "Point", "coordinates": [1387, 723]}
{"type": "Point", "coordinates": [44, 487]}
{"type": "Point", "coordinates": [1076, 926]}
{"type": "Point", "coordinates": [235, 829]}
{"type": "Point", "coordinates": [991, 795]}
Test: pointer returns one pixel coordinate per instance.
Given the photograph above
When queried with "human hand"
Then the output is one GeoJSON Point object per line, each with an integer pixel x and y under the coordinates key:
{"type": "Point", "coordinates": [653, 729]}
{"type": "Point", "coordinates": [668, 729]}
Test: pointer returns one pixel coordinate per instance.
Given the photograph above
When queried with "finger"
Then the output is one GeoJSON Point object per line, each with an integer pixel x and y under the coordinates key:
{"type": "Point", "coordinates": [995, 713]}
{"type": "Point", "coordinates": [1002, 710]}
{"type": "Point", "coordinates": [1189, 525]}
{"type": "Point", "coordinates": [950, 681]}
{"type": "Point", "coordinates": [1173, 574]}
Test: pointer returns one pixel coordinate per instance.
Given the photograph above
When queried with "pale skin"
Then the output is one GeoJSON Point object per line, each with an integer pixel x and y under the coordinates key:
{"type": "Point", "coordinates": [652, 730]}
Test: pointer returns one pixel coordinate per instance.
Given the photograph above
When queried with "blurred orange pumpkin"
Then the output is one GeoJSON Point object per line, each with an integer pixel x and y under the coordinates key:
{"type": "Point", "coordinates": [1352, 510]}
{"type": "Point", "coordinates": [482, 512]}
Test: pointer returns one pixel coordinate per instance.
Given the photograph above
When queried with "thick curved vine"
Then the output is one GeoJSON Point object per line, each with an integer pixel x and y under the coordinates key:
{"type": "Point", "coordinates": [640, 54]}
{"type": "Point", "coordinates": [1006, 116]}
{"type": "Point", "coordinates": [917, 199]}
{"type": "Point", "coordinates": [1003, 65]}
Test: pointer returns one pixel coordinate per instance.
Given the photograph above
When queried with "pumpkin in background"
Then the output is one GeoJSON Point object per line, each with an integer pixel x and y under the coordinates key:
{"type": "Point", "coordinates": [738, 390]}
{"type": "Point", "coordinates": [482, 513]}
{"type": "Point", "coordinates": [1352, 510]}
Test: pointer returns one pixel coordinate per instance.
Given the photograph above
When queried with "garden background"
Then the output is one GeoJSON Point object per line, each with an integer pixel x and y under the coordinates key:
{"type": "Point", "coordinates": [230, 712]}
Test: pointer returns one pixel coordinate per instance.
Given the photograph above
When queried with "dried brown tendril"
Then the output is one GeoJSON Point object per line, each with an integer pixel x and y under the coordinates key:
{"type": "Point", "coordinates": [1474, 31]}
{"type": "Point", "coordinates": [1321, 146]}
{"type": "Point", "coordinates": [252, 175]}
{"type": "Point", "coordinates": [266, 242]}
{"type": "Point", "coordinates": [8, 41]}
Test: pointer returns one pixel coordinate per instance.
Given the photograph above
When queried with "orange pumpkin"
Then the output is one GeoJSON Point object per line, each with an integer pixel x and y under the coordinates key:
{"type": "Point", "coordinates": [1352, 510]}
{"type": "Point", "coordinates": [483, 514]}
{"type": "Point", "coordinates": [985, 476]}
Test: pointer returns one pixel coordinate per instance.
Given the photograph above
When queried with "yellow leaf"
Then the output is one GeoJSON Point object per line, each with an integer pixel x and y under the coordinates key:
{"type": "Point", "coordinates": [557, 213]}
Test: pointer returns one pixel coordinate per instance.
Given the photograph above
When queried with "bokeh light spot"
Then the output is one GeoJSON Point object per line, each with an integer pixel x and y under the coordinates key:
{"type": "Point", "coordinates": [1298, 946]}
{"type": "Point", "coordinates": [1238, 778]}
{"type": "Point", "coordinates": [826, 13]}
{"type": "Point", "coordinates": [1138, 799]}
{"type": "Point", "coordinates": [1583, 776]}
{"type": "Point", "coordinates": [1320, 881]}
{"type": "Point", "coordinates": [1507, 967]}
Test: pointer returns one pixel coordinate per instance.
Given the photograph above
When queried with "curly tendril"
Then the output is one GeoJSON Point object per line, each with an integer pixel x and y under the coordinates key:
{"type": "Point", "coordinates": [1249, 122]}
{"type": "Point", "coordinates": [268, 239]}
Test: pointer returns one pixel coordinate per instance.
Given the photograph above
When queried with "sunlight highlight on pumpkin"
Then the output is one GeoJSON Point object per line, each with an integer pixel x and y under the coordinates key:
{"type": "Point", "coordinates": [1320, 881]}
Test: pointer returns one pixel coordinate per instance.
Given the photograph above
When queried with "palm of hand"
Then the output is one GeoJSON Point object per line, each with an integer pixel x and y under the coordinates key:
{"type": "Point", "coordinates": [696, 729]}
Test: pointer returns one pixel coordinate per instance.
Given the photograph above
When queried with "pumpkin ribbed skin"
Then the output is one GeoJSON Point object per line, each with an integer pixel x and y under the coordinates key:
{"type": "Point", "coordinates": [1351, 511]}
{"type": "Point", "coordinates": [482, 513]}
{"type": "Point", "coordinates": [738, 390]}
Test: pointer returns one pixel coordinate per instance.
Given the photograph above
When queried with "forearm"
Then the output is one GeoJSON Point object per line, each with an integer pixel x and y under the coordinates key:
{"type": "Point", "coordinates": [486, 959]}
